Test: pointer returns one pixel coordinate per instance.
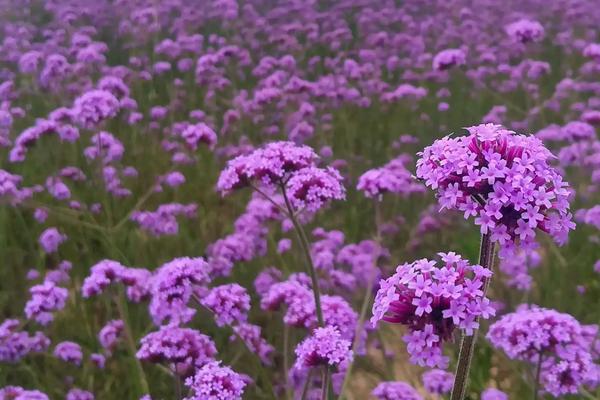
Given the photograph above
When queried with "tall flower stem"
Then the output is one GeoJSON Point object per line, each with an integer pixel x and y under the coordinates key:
{"type": "Point", "coordinates": [326, 383]}
{"type": "Point", "coordinates": [536, 384]}
{"type": "Point", "coordinates": [306, 250]}
{"type": "Point", "coordinates": [467, 345]}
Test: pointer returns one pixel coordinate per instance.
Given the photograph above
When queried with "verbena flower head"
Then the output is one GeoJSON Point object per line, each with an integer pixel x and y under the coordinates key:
{"type": "Point", "coordinates": [95, 106]}
{"type": "Point", "coordinates": [324, 347]}
{"type": "Point", "coordinates": [184, 349]}
{"type": "Point", "coordinates": [250, 334]}
{"type": "Point", "coordinates": [311, 188]}
{"type": "Point", "coordinates": [50, 239]}
{"type": "Point", "coordinates": [268, 166]}
{"type": "Point", "coordinates": [493, 394]}
{"type": "Point", "coordinates": [395, 391]}
{"type": "Point", "coordinates": [230, 303]}
{"type": "Point", "coordinates": [525, 30]}
{"type": "Point", "coordinates": [438, 381]}
{"type": "Point", "coordinates": [393, 177]}
{"type": "Point", "coordinates": [110, 334]}
{"type": "Point", "coordinates": [79, 394]}
{"type": "Point", "coordinates": [448, 58]}
{"type": "Point", "coordinates": [18, 393]}
{"type": "Point", "coordinates": [566, 347]}
{"type": "Point", "coordinates": [46, 298]}
{"type": "Point", "coordinates": [215, 382]}
{"type": "Point", "coordinates": [69, 352]}
{"type": "Point", "coordinates": [502, 179]}
{"type": "Point", "coordinates": [432, 301]}
{"type": "Point", "coordinates": [173, 286]}
{"type": "Point", "coordinates": [16, 344]}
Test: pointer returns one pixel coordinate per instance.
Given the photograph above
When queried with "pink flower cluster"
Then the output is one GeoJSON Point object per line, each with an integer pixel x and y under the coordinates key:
{"type": "Point", "coordinates": [432, 302]}
{"type": "Point", "coordinates": [393, 177]}
{"type": "Point", "coordinates": [502, 179]}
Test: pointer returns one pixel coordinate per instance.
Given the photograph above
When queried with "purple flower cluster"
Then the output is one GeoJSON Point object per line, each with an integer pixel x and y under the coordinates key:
{"type": "Point", "coordinates": [173, 286]}
{"type": "Point", "coordinates": [503, 180]}
{"type": "Point", "coordinates": [18, 393]}
{"type": "Point", "coordinates": [15, 344]}
{"type": "Point", "coordinates": [432, 302]}
{"type": "Point", "coordinates": [525, 30]}
{"type": "Point", "coordinates": [50, 239]}
{"type": "Point", "coordinates": [110, 334]}
{"type": "Point", "coordinates": [107, 272]}
{"type": "Point", "coordinates": [438, 381]}
{"type": "Point", "coordinates": [393, 177]}
{"type": "Point", "coordinates": [395, 391]}
{"type": "Point", "coordinates": [184, 349]}
{"type": "Point", "coordinates": [163, 221]}
{"type": "Point", "coordinates": [493, 394]}
{"type": "Point", "coordinates": [46, 298]}
{"type": "Point", "coordinates": [449, 58]}
{"type": "Point", "coordinates": [215, 382]}
{"type": "Point", "coordinates": [95, 106]}
{"type": "Point", "coordinates": [230, 303]}
{"type": "Point", "coordinates": [563, 344]}
{"type": "Point", "coordinates": [251, 336]}
{"type": "Point", "coordinates": [79, 394]}
{"type": "Point", "coordinates": [324, 347]}
{"type": "Point", "coordinates": [69, 352]}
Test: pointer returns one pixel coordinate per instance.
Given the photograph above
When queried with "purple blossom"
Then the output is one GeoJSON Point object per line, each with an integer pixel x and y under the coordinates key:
{"type": "Point", "coordinates": [448, 58]}
{"type": "Point", "coordinates": [50, 239]}
{"type": "Point", "coordinates": [393, 177]}
{"type": "Point", "coordinates": [324, 347]}
{"type": "Point", "coordinates": [18, 393]}
{"type": "Point", "coordinates": [493, 394]}
{"type": "Point", "coordinates": [110, 334]}
{"type": "Point", "coordinates": [438, 381]}
{"type": "Point", "coordinates": [215, 382]}
{"type": "Point", "coordinates": [95, 106]}
{"type": "Point", "coordinates": [79, 394]}
{"type": "Point", "coordinates": [46, 298]}
{"type": "Point", "coordinates": [432, 301]}
{"type": "Point", "coordinates": [230, 303]}
{"type": "Point", "coordinates": [396, 391]}
{"type": "Point", "coordinates": [525, 30]}
{"type": "Point", "coordinates": [68, 352]}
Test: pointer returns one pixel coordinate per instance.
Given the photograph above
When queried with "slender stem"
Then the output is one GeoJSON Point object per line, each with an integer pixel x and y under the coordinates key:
{"type": "Point", "coordinates": [309, 262]}
{"type": "Point", "coordinates": [307, 384]}
{"type": "Point", "coordinates": [390, 373]}
{"type": "Point", "coordinates": [286, 362]}
{"type": "Point", "coordinates": [326, 381]}
{"type": "Point", "coordinates": [536, 384]}
{"type": "Point", "coordinates": [467, 345]}
{"type": "Point", "coordinates": [178, 388]}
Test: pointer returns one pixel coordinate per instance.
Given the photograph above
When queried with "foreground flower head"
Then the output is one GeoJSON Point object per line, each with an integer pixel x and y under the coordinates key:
{"type": "Point", "coordinates": [564, 345]}
{"type": "Point", "coordinates": [215, 382]}
{"type": "Point", "coordinates": [502, 179]}
{"type": "Point", "coordinates": [432, 302]}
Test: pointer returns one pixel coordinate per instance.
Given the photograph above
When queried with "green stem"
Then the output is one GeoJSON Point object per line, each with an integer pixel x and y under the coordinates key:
{"type": "Point", "coordinates": [286, 362]}
{"type": "Point", "coordinates": [536, 384]}
{"type": "Point", "coordinates": [467, 346]}
{"type": "Point", "coordinates": [326, 382]}
{"type": "Point", "coordinates": [304, 243]}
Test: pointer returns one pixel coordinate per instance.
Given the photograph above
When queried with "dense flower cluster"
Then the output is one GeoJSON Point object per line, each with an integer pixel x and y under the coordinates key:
{"type": "Point", "coordinates": [182, 348]}
{"type": "Point", "coordinates": [393, 177]}
{"type": "Point", "coordinates": [432, 302]}
{"type": "Point", "coordinates": [493, 394]}
{"type": "Point", "coordinates": [324, 347]}
{"type": "Point", "coordinates": [525, 30]}
{"type": "Point", "coordinates": [69, 352]}
{"type": "Point", "coordinates": [438, 381]}
{"type": "Point", "coordinates": [564, 345]}
{"type": "Point", "coordinates": [45, 299]}
{"type": "Point", "coordinates": [16, 344]}
{"type": "Point", "coordinates": [110, 334]}
{"type": "Point", "coordinates": [215, 382]}
{"type": "Point", "coordinates": [230, 303]}
{"type": "Point", "coordinates": [503, 180]}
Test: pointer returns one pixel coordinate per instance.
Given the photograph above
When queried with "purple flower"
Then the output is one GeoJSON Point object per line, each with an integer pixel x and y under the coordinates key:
{"type": "Point", "coordinates": [250, 334]}
{"type": "Point", "coordinates": [393, 177]}
{"type": "Point", "coordinates": [432, 301]}
{"type": "Point", "coordinates": [16, 344]}
{"type": "Point", "coordinates": [438, 381]}
{"type": "Point", "coordinates": [173, 286]}
{"type": "Point", "coordinates": [502, 178]}
{"type": "Point", "coordinates": [69, 352]}
{"type": "Point", "coordinates": [110, 333]}
{"type": "Point", "coordinates": [230, 303]}
{"type": "Point", "coordinates": [50, 239]}
{"type": "Point", "coordinates": [95, 106]}
{"type": "Point", "coordinates": [493, 394]}
{"type": "Point", "coordinates": [564, 345]}
{"type": "Point", "coordinates": [199, 133]}
{"type": "Point", "coordinates": [184, 349]}
{"type": "Point", "coordinates": [311, 188]}
{"type": "Point", "coordinates": [79, 394]}
{"type": "Point", "coordinates": [46, 298]}
{"type": "Point", "coordinates": [525, 30]}
{"type": "Point", "coordinates": [214, 382]}
{"type": "Point", "coordinates": [324, 347]}
{"type": "Point", "coordinates": [18, 393]}
{"type": "Point", "coordinates": [396, 391]}
{"type": "Point", "coordinates": [448, 58]}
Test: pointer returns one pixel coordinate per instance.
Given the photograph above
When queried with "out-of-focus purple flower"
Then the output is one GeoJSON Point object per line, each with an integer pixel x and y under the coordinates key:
{"type": "Point", "coordinates": [110, 334]}
{"type": "Point", "coordinates": [432, 302]}
{"type": "Point", "coordinates": [46, 298]}
{"type": "Point", "coordinates": [393, 177]}
{"type": "Point", "coordinates": [184, 349]}
{"type": "Point", "coordinates": [98, 360]}
{"type": "Point", "coordinates": [448, 58]}
{"type": "Point", "coordinates": [503, 180]}
{"type": "Point", "coordinates": [95, 106]}
{"type": "Point", "coordinates": [250, 334]}
{"type": "Point", "coordinates": [50, 239]}
{"type": "Point", "coordinates": [163, 221]}
{"type": "Point", "coordinates": [18, 393]}
{"type": "Point", "coordinates": [324, 347]}
{"type": "Point", "coordinates": [438, 381]}
{"type": "Point", "coordinates": [197, 134]}
{"type": "Point", "coordinates": [230, 303]}
{"type": "Point", "coordinates": [311, 188]}
{"type": "Point", "coordinates": [69, 352]}
{"type": "Point", "coordinates": [564, 345]}
{"type": "Point", "coordinates": [525, 30]}
{"type": "Point", "coordinates": [79, 394]}
{"type": "Point", "coordinates": [214, 381]}
{"type": "Point", "coordinates": [395, 391]}
{"type": "Point", "coordinates": [493, 394]}
{"type": "Point", "coordinates": [16, 344]}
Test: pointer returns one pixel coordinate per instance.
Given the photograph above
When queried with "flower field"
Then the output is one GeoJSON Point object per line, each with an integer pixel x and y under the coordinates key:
{"type": "Point", "coordinates": [299, 199]}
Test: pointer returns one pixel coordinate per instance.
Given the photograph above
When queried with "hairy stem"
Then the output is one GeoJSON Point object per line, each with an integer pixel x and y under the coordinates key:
{"type": "Point", "coordinates": [467, 345]}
